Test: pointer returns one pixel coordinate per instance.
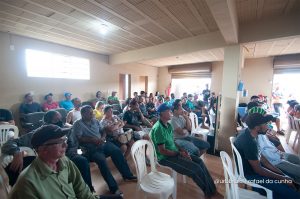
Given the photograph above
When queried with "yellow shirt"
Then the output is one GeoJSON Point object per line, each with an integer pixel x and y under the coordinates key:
{"type": "Point", "coordinates": [98, 114]}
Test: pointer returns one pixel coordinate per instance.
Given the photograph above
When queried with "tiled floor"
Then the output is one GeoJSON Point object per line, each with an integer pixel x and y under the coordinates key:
{"type": "Point", "coordinates": [184, 191]}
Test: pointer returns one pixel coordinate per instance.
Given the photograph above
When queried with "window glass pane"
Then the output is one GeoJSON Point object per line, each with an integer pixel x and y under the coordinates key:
{"type": "Point", "coordinates": [51, 65]}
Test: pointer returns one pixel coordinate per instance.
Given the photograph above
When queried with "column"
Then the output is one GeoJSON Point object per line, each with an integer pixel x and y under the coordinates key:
{"type": "Point", "coordinates": [233, 62]}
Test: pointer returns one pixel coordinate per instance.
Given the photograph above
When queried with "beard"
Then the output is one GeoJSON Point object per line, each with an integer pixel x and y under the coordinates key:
{"type": "Point", "coordinates": [263, 132]}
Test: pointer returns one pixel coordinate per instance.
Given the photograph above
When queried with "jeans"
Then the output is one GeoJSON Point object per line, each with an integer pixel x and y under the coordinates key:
{"type": "Point", "coordinates": [98, 155]}
{"type": "Point", "coordinates": [192, 144]}
{"type": "Point", "coordinates": [83, 165]}
{"type": "Point", "coordinates": [290, 165]}
{"type": "Point", "coordinates": [280, 190]}
{"type": "Point", "coordinates": [277, 107]}
{"type": "Point", "coordinates": [195, 169]}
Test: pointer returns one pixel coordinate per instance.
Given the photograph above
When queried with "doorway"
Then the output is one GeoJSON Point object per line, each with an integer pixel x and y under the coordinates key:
{"type": "Point", "coordinates": [189, 86]}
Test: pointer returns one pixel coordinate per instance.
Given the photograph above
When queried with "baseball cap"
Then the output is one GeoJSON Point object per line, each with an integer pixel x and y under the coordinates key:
{"type": "Point", "coordinates": [67, 94]}
{"type": "Point", "coordinates": [163, 107]}
{"type": "Point", "coordinates": [49, 94]}
{"type": "Point", "coordinates": [28, 94]}
{"type": "Point", "coordinates": [257, 119]}
{"type": "Point", "coordinates": [257, 110]}
{"type": "Point", "coordinates": [47, 132]}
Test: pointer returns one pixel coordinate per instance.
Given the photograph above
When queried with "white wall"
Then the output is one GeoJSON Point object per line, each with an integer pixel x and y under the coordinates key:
{"type": "Point", "coordinates": [14, 82]}
{"type": "Point", "coordinates": [257, 76]}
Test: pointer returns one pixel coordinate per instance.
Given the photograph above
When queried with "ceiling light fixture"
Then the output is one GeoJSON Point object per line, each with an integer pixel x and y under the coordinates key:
{"type": "Point", "coordinates": [103, 29]}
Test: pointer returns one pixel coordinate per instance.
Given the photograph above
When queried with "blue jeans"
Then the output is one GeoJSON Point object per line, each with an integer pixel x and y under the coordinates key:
{"type": "Point", "coordinates": [192, 144]}
{"type": "Point", "coordinates": [98, 154]}
{"type": "Point", "coordinates": [280, 190]}
{"type": "Point", "coordinates": [83, 165]}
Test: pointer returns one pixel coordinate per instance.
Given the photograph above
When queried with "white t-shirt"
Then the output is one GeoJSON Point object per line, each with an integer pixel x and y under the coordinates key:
{"type": "Point", "coordinates": [179, 122]}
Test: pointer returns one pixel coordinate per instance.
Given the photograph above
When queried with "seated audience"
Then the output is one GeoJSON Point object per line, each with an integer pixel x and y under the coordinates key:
{"type": "Point", "coordinates": [74, 114]}
{"type": "Point", "coordinates": [182, 125]}
{"type": "Point", "coordinates": [135, 95]}
{"type": "Point", "coordinates": [290, 110]}
{"type": "Point", "coordinates": [276, 120]}
{"type": "Point", "coordinates": [126, 107]}
{"type": "Point", "coordinates": [113, 99]}
{"type": "Point", "coordinates": [93, 139]}
{"type": "Point", "coordinates": [49, 103]}
{"type": "Point", "coordinates": [255, 165]}
{"type": "Point", "coordinates": [98, 111]}
{"type": "Point", "coordinates": [170, 155]}
{"type": "Point", "coordinates": [159, 101]}
{"type": "Point", "coordinates": [142, 106]}
{"type": "Point", "coordinates": [135, 119]}
{"type": "Point", "coordinates": [270, 134]}
{"type": "Point", "coordinates": [184, 104]}
{"type": "Point", "coordinates": [100, 97]}
{"type": "Point", "coordinates": [297, 111]}
{"type": "Point", "coordinates": [195, 100]}
{"type": "Point", "coordinates": [288, 163]}
{"type": "Point", "coordinates": [172, 100]}
{"type": "Point", "coordinates": [21, 160]}
{"type": "Point", "coordinates": [51, 174]}
{"type": "Point", "coordinates": [6, 117]}
{"type": "Point", "coordinates": [67, 103]}
{"type": "Point", "coordinates": [212, 100]}
{"type": "Point", "coordinates": [143, 93]}
{"type": "Point", "coordinates": [202, 114]}
{"type": "Point", "coordinates": [29, 106]}
{"type": "Point", "coordinates": [113, 126]}
{"type": "Point", "coordinates": [190, 103]}
{"type": "Point", "coordinates": [150, 106]}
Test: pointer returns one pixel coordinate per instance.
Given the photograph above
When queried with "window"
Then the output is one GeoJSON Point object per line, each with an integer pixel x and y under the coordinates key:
{"type": "Point", "coordinates": [51, 65]}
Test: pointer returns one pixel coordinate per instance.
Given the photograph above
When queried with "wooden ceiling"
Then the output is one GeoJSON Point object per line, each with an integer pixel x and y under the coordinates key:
{"type": "Point", "coordinates": [136, 24]}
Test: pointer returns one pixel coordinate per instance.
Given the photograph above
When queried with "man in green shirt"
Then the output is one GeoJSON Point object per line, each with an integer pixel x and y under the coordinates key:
{"type": "Point", "coordinates": [51, 174]}
{"type": "Point", "coordinates": [169, 154]}
{"type": "Point", "coordinates": [113, 99]}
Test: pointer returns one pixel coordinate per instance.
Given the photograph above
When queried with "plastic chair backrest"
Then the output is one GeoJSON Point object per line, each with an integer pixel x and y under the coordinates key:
{"type": "Point", "coordinates": [194, 121]}
{"type": "Point", "coordinates": [63, 112]}
{"type": "Point", "coordinates": [36, 119]}
{"type": "Point", "coordinates": [237, 159]}
{"type": "Point", "coordinates": [4, 129]}
{"type": "Point", "coordinates": [230, 181]}
{"type": "Point", "coordinates": [291, 122]}
{"type": "Point", "coordinates": [138, 153]}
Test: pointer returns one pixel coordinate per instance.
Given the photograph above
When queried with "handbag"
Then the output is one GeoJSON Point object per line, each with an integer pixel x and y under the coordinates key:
{"type": "Point", "coordinates": [125, 137]}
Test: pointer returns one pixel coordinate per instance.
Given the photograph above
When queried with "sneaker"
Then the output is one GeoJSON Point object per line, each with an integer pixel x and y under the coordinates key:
{"type": "Point", "coordinates": [118, 192]}
{"type": "Point", "coordinates": [280, 132]}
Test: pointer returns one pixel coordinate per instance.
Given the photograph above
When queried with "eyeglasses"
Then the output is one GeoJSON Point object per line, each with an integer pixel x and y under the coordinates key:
{"type": "Point", "coordinates": [61, 142]}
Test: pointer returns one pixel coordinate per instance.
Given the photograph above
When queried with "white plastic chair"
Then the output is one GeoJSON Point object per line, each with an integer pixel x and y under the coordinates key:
{"type": "Point", "coordinates": [174, 173]}
{"type": "Point", "coordinates": [291, 128]}
{"type": "Point", "coordinates": [152, 182]}
{"type": "Point", "coordinates": [297, 137]}
{"type": "Point", "coordinates": [239, 170]}
{"type": "Point", "coordinates": [233, 191]}
{"type": "Point", "coordinates": [6, 159]}
{"type": "Point", "coordinates": [196, 130]}
{"type": "Point", "coordinates": [4, 133]}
